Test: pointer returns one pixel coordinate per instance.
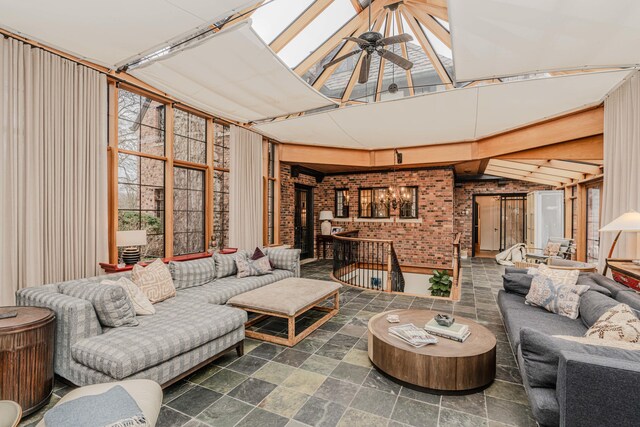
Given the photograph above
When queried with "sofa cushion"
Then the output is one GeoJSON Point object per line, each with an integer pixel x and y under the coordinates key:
{"type": "Point", "coordinates": [517, 315]}
{"type": "Point", "coordinates": [541, 354]}
{"type": "Point", "coordinates": [220, 290]}
{"type": "Point", "coordinates": [179, 325]}
{"type": "Point", "coordinates": [141, 304]}
{"type": "Point", "coordinates": [613, 286]}
{"type": "Point", "coordinates": [543, 400]}
{"type": "Point", "coordinates": [556, 296]}
{"type": "Point", "coordinates": [619, 323]}
{"type": "Point", "coordinates": [517, 283]}
{"type": "Point", "coordinates": [197, 272]}
{"type": "Point", "coordinates": [226, 264]}
{"type": "Point", "coordinates": [593, 305]}
{"type": "Point", "coordinates": [631, 298]}
{"type": "Point", "coordinates": [283, 258]}
{"type": "Point", "coordinates": [111, 302]}
{"type": "Point", "coordinates": [154, 280]}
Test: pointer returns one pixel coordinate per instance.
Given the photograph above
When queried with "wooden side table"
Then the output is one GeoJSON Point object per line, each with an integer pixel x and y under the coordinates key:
{"type": "Point", "coordinates": [625, 272]}
{"type": "Point", "coordinates": [26, 356]}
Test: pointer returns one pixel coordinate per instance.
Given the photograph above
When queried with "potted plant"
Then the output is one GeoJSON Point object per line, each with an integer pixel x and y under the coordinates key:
{"type": "Point", "coordinates": [440, 284]}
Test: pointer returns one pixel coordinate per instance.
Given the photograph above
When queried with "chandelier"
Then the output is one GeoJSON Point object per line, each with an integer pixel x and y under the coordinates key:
{"type": "Point", "coordinates": [396, 197]}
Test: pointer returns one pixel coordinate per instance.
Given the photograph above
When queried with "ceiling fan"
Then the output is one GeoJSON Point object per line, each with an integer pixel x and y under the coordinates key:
{"type": "Point", "coordinates": [372, 42]}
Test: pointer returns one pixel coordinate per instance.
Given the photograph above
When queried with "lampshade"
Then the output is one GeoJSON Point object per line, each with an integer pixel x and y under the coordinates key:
{"type": "Point", "coordinates": [629, 221]}
{"type": "Point", "coordinates": [325, 215]}
{"type": "Point", "coordinates": [131, 238]}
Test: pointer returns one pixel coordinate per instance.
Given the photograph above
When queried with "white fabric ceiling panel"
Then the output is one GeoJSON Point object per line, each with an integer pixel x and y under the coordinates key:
{"type": "Point", "coordinates": [451, 116]}
{"type": "Point", "coordinates": [502, 107]}
{"type": "Point", "coordinates": [420, 120]}
{"type": "Point", "coordinates": [110, 32]}
{"type": "Point", "coordinates": [232, 74]}
{"type": "Point", "coordinates": [494, 38]}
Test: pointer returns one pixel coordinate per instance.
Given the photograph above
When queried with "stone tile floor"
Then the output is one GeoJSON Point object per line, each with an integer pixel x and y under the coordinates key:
{"type": "Point", "coordinates": [327, 379]}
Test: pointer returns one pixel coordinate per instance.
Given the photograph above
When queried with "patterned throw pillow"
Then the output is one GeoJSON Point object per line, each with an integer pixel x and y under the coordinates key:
{"type": "Point", "coordinates": [561, 277]}
{"type": "Point", "coordinates": [248, 267]}
{"type": "Point", "coordinates": [555, 297]}
{"type": "Point", "coordinates": [619, 323]}
{"type": "Point", "coordinates": [141, 303]}
{"type": "Point", "coordinates": [552, 249]}
{"type": "Point", "coordinates": [111, 303]}
{"type": "Point", "coordinates": [284, 258]}
{"type": "Point", "coordinates": [154, 280]}
{"type": "Point", "coordinates": [187, 274]}
{"type": "Point", "coordinates": [257, 254]}
{"type": "Point", "coordinates": [226, 264]}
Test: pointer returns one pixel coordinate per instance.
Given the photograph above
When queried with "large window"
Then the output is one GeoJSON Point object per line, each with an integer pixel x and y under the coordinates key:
{"type": "Point", "coordinates": [221, 186]}
{"type": "Point", "coordinates": [188, 211]}
{"type": "Point", "coordinates": [141, 195]}
{"type": "Point", "coordinates": [271, 187]}
{"type": "Point", "coordinates": [373, 202]}
{"type": "Point", "coordinates": [342, 203]}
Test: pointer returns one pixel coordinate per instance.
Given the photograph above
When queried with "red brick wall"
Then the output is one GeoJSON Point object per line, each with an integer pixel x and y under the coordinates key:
{"type": "Point", "coordinates": [425, 244]}
{"type": "Point", "coordinates": [463, 198]}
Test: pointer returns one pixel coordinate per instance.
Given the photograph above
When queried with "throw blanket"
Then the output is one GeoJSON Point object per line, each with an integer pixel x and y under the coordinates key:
{"type": "Point", "coordinates": [515, 253]}
{"type": "Point", "coordinates": [113, 408]}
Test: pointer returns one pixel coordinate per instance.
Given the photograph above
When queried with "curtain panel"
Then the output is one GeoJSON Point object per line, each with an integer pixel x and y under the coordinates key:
{"type": "Point", "coordinates": [53, 166]}
{"type": "Point", "coordinates": [621, 192]}
{"type": "Point", "coordinates": [245, 189]}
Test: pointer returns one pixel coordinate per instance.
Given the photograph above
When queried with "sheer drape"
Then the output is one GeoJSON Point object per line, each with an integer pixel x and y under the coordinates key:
{"type": "Point", "coordinates": [621, 165]}
{"type": "Point", "coordinates": [53, 186]}
{"type": "Point", "coordinates": [245, 189]}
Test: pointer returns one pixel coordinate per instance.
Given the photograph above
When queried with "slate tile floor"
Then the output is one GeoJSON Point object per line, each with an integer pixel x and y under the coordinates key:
{"type": "Point", "coordinates": [327, 379]}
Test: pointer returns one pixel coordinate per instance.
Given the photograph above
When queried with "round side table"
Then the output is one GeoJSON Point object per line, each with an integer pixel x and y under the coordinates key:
{"type": "Point", "coordinates": [26, 356]}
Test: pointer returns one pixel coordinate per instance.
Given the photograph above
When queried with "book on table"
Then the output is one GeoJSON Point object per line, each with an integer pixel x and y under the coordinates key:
{"type": "Point", "coordinates": [457, 331]}
{"type": "Point", "coordinates": [412, 335]}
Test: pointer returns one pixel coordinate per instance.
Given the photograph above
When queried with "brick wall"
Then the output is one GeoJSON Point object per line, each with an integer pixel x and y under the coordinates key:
{"type": "Point", "coordinates": [463, 209]}
{"type": "Point", "coordinates": [426, 243]}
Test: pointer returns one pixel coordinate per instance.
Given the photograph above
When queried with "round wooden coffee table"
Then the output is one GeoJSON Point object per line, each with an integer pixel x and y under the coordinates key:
{"type": "Point", "coordinates": [448, 366]}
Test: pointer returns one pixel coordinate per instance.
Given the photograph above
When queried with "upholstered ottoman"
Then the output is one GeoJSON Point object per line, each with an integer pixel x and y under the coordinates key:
{"type": "Point", "coordinates": [288, 298]}
{"type": "Point", "coordinates": [146, 393]}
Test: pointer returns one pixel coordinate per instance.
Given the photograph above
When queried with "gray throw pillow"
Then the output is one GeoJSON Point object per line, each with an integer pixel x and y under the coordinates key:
{"type": "Point", "coordinates": [111, 302]}
{"type": "Point", "coordinates": [593, 305]}
{"type": "Point", "coordinates": [226, 264]}
{"type": "Point", "coordinates": [508, 270]}
{"type": "Point", "coordinates": [517, 283]}
{"type": "Point", "coordinates": [541, 355]}
{"type": "Point", "coordinates": [284, 259]}
{"type": "Point", "coordinates": [187, 274]}
{"type": "Point", "coordinates": [593, 285]}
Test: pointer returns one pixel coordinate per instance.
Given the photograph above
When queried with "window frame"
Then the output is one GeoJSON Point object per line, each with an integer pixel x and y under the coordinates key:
{"type": "Point", "coordinates": [372, 204]}
{"type": "Point", "coordinates": [345, 195]}
{"type": "Point", "coordinates": [416, 195]}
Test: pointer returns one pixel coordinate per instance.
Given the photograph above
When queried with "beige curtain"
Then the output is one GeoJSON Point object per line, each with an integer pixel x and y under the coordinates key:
{"type": "Point", "coordinates": [621, 165]}
{"type": "Point", "coordinates": [53, 139]}
{"type": "Point", "coordinates": [245, 189]}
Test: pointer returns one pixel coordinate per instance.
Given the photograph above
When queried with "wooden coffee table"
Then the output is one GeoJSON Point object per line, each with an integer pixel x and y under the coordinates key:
{"type": "Point", "coordinates": [448, 366]}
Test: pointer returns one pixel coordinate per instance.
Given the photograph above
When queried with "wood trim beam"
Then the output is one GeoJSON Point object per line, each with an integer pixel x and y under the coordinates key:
{"type": "Point", "coordinates": [432, 25]}
{"type": "Point", "coordinates": [537, 168]}
{"type": "Point", "coordinates": [299, 24]}
{"type": "Point", "coordinates": [387, 32]}
{"type": "Point", "coordinates": [584, 149]}
{"type": "Point", "coordinates": [405, 53]}
{"type": "Point", "coordinates": [526, 174]}
{"type": "Point", "coordinates": [491, 171]}
{"type": "Point", "coordinates": [168, 181]}
{"type": "Point", "coordinates": [112, 172]}
{"type": "Point", "coordinates": [438, 9]}
{"type": "Point", "coordinates": [426, 46]}
{"type": "Point", "coordinates": [357, 6]}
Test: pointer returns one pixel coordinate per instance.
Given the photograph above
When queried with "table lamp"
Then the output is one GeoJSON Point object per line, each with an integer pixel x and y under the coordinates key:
{"type": "Point", "coordinates": [325, 227]}
{"type": "Point", "coordinates": [629, 221]}
{"type": "Point", "coordinates": [131, 240]}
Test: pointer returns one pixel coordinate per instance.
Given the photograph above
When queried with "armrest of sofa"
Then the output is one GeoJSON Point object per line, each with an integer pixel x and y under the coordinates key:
{"type": "Point", "coordinates": [76, 319]}
{"type": "Point", "coordinates": [586, 382]}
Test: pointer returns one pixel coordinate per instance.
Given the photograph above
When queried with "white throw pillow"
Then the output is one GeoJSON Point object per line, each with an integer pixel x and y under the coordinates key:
{"type": "Point", "coordinates": [141, 303]}
{"type": "Point", "coordinates": [560, 277]}
{"type": "Point", "coordinates": [619, 323]}
{"type": "Point", "coordinates": [154, 280]}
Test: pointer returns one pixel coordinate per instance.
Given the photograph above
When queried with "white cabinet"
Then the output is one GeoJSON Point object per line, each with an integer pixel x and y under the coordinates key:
{"type": "Point", "coordinates": [545, 217]}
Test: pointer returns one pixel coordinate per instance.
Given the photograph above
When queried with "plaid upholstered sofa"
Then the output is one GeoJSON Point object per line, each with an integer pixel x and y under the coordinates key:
{"type": "Point", "coordinates": [186, 332]}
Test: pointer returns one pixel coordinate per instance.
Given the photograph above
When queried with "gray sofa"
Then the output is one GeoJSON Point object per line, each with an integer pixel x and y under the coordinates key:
{"type": "Point", "coordinates": [570, 383]}
{"type": "Point", "coordinates": [186, 332]}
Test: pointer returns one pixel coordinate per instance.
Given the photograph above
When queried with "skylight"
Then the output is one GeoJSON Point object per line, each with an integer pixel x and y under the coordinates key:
{"type": "Point", "coordinates": [274, 17]}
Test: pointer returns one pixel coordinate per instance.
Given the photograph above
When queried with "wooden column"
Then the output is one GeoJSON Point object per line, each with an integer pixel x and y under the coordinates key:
{"type": "Point", "coordinates": [209, 205]}
{"type": "Point", "coordinates": [112, 171]}
{"type": "Point", "coordinates": [581, 229]}
{"type": "Point", "coordinates": [168, 182]}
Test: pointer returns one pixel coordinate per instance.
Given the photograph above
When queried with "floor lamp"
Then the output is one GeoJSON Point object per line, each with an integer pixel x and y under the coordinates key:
{"type": "Point", "coordinates": [628, 222]}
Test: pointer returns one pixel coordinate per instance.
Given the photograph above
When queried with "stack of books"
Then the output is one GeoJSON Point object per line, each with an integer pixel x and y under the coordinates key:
{"type": "Point", "coordinates": [412, 335]}
{"type": "Point", "coordinates": [456, 332]}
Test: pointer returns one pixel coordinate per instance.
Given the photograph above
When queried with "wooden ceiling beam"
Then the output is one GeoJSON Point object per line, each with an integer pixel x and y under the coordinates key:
{"type": "Point", "coordinates": [538, 168]}
{"type": "Point", "coordinates": [431, 24]}
{"type": "Point", "coordinates": [489, 171]}
{"type": "Point", "coordinates": [437, 9]}
{"type": "Point", "coordinates": [357, 6]}
{"type": "Point", "coordinates": [299, 24]}
{"type": "Point", "coordinates": [387, 32]}
{"type": "Point", "coordinates": [405, 53]}
{"type": "Point", "coordinates": [426, 46]}
{"type": "Point", "coordinates": [534, 173]}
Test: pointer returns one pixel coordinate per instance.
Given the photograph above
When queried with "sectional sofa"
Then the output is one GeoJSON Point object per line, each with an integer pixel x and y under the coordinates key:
{"type": "Point", "coordinates": [568, 382]}
{"type": "Point", "coordinates": [186, 332]}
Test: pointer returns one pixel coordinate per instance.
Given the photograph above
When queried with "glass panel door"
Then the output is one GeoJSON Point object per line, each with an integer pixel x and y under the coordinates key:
{"type": "Point", "coordinates": [593, 223]}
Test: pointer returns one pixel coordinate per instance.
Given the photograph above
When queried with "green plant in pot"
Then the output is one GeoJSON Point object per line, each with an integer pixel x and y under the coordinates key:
{"type": "Point", "coordinates": [440, 284]}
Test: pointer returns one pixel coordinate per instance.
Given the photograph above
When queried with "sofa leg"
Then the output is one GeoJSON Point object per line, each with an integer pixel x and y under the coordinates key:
{"type": "Point", "coordinates": [240, 349]}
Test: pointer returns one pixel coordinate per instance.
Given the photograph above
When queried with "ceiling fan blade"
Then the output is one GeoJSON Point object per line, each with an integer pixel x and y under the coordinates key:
{"type": "Point", "coordinates": [364, 69]}
{"type": "Point", "coordinates": [341, 58]}
{"type": "Point", "coordinates": [358, 40]}
{"type": "Point", "coordinates": [400, 38]}
{"type": "Point", "coordinates": [396, 59]}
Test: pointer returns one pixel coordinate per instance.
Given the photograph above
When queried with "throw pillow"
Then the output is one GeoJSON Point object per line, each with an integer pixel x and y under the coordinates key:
{"type": "Point", "coordinates": [248, 267]}
{"type": "Point", "coordinates": [554, 297]}
{"type": "Point", "coordinates": [110, 302]}
{"type": "Point", "coordinates": [154, 280]}
{"type": "Point", "coordinates": [517, 283]}
{"type": "Point", "coordinates": [593, 305]}
{"type": "Point", "coordinates": [187, 274]}
{"type": "Point", "coordinates": [226, 263]}
{"type": "Point", "coordinates": [552, 249]}
{"type": "Point", "coordinates": [564, 277]}
{"type": "Point", "coordinates": [285, 259]}
{"type": "Point", "coordinates": [619, 323]}
{"type": "Point", "coordinates": [257, 254]}
{"type": "Point", "coordinates": [141, 303]}
{"type": "Point", "coordinates": [541, 355]}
